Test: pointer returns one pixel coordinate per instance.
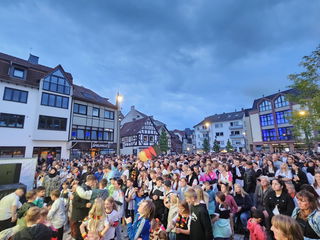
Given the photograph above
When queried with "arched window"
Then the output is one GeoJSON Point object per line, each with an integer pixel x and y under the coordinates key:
{"type": "Point", "coordinates": [281, 102]}
{"type": "Point", "coordinates": [265, 106]}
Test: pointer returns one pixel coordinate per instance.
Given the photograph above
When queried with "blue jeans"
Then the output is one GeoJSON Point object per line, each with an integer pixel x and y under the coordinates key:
{"type": "Point", "coordinates": [172, 236]}
{"type": "Point", "coordinates": [244, 217]}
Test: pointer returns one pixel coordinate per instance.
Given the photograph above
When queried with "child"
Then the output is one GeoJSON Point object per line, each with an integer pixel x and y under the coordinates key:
{"type": "Point", "coordinates": [129, 198]}
{"type": "Point", "coordinates": [57, 213]}
{"type": "Point", "coordinates": [222, 225]}
{"type": "Point", "coordinates": [112, 219]}
{"type": "Point", "coordinates": [41, 192]}
{"type": "Point", "coordinates": [157, 231]}
{"type": "Point", "coordinates": [200, 227]}
{"type": "Point", "coordinates": [182, 222]}
{"type": "Point", "coordinates": [257, 231]}
{"type": "Point", "coordinates": [140, 196]}
{"type": "Point", "coordinates": [31, 197]}
{"type": "Point", "coordinates": [95, 221]}
{"type": "Point", "coordinates": [173, 211]}
{"type": "Point", "coordinates": [140, 228]}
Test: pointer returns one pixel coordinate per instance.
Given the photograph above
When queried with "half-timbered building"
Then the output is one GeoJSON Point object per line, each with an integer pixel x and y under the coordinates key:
{"type": "Point", "coordinates": [138, 135]}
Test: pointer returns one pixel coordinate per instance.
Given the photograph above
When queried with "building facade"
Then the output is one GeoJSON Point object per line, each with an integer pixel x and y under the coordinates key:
{"type": "Point", "coordinates": [138, 135]}
{"type": "Point", "coordinates": [34, 108]}
{"type": "Point", "coordinates": [230, 126]}
{"type": "Point", "coordinates": [270, 123]}
{"type": "Point", "coordinates": [93, 124]}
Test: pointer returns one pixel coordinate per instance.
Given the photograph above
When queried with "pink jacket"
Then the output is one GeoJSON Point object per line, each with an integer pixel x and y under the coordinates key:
{"type": "Point", "coordinates": [232, 204]}
{"type": "Point", "coordinates": [208, 177]}
{"type": "Point", "coordinates": [256, 231]}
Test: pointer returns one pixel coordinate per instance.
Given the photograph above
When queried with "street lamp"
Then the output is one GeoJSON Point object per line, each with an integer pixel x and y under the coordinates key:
{"type": "Point", "coordinates": [245, 141]}
{"type": "Point", "coordinates": [302, 112]}
{"type": "Point", "coordinates": [119, 99]}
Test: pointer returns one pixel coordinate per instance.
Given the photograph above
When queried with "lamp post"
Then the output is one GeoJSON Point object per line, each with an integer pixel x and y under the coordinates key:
{"type": "Point", "coordinates": [245, 141]}
{"type": "Point", "coordinates": [207, 124]}
{"type": "Point", "coordinates": [119, 99]}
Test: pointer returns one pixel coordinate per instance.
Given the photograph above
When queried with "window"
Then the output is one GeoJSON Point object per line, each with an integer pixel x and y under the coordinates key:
{"type": "Point", "coordinates": [151, 138]}
{"type": "Point", "coordinates": [95, 112]}
{"type": "Point", "coordinates": [281, 102]}
{"type": "Point", "coordinates": [80, 134]}
{"type": "Point", "coordinates": [218, 125]}
{"type": "Point", "coordinates": [11, 120]}
{"type": "Point", "coordinates": [80, 109]}
{"type": "Point", "coordinates": [234, 133]}
{"type": "Point", "coordinates": [89, 133]}
{"type": "Point", "coordinates": [12, 152]}
{"type": "Point", "coordinates": [56, 84]}
{"type": "Point", "coordinates": [265, 106]}
{"type": "Point", "coordinates": [18, 73]}
{"type": "Point", "coordinates": [52, 123]}
{"type": "Point", "coordinates": [219, 134]}
{"type": "Point", "coordinates": [269, 135]}
{"type": "Point", "coordinates": [283, 116]}
{"type": "Point", "coordinates": [54, 101]}
{"type": "Point", "coordinates": [15, 95]}
{"type": "Point", "coordinates": [145, 138]}
{"type": "Point", "coordinates": [109, 114]}
{"type": "Point", "coordinates": [221, 143]}
{"type": "Point", "coordinates": [266, 120]}
{"type": "Point", "coordinates": [108, 135]}
{"type": "Point", "coordinates": [285, 133]}
{"type": "Point", "coordinates": [232, 124]}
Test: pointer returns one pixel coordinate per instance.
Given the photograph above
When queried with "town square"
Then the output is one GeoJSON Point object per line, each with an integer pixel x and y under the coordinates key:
{"type": "Point", "coordinates": [160, 120]}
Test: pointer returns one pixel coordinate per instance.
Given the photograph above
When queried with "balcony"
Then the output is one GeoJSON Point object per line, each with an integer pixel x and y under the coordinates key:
{"type": "Point", "coordinates": [236, 127]}
{"type": "Point", "coordinates": [236, 136]}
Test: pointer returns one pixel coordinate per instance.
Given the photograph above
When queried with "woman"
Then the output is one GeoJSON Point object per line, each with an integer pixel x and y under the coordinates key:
{"type": "Point", "coordinates": [279, 201]}
{"type": "Point", "coordinates": [225, 189]}
{"type": "Point", "coordinates": [208, 175]}
{"type": "Point", "coordinates": [175, 182]}
{"type": "Point", "coordinates": [307, 214]}
{"type": "Point", "coordinates": [284, 173]}
{"type": "Point", "coordinates": [225, 176]}
{"type": "Point", "coordinates": [286, 228]}
{"type": "Point", "coordinates": [112, 219]}
{"type": "Point", "coordinates": [269, 170]}
{"type": "Point", "coordinates": [299, 177]}
{"type": "Point", "coordinates": [140, 228]}
{"type": "Point", "coordinates": [222, 221]}
{"type": "Point", "coordinates": [244, 205]}
{"type": "Point", "coordinates": [192, 177]}
{"type": "Point", "coordinates": [316, 184]}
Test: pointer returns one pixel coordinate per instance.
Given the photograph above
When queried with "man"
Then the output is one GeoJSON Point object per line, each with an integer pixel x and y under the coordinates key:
{"type": "Point", "coordinates": [99, 174]}
{"type": "Point", "coordinates": [237, 172]}
{"type": "Point", "coordinates": [8, 209]}
{"type": "Point", "coordinates": [80, 208]}
{"type": "Point", "coordinates": [249, 179]}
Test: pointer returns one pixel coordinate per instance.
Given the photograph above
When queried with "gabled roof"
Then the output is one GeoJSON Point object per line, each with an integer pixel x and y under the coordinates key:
{"type": "Point", "coordinates": [132, 128]}
{"type": "Point", "coordinates": [223, 117]}
{"type": "Point", "coordinates": [84, 94]}
{"type": "Point", "coordinates": [273, 96]}
{"type": "Point", "coordinates": [34, 72]}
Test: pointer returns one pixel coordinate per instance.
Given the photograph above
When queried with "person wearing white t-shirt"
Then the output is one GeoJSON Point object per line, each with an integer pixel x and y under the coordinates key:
{"type": "Point", "coordinates": [111, 221]}
{"type": "Point", "coordinates": [8, 209]}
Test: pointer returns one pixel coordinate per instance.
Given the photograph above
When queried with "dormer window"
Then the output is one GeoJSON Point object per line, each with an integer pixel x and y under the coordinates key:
{"type": "Point", "coordinates": [265, 106]}
{"type": "Point", "coordinates": [18, 72]}
{"type": "Point", "coordinates": [57, 83]}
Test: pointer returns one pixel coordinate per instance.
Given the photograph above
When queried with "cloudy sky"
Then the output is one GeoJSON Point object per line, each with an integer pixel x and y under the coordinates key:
{"type": "Point", "coordinates": [178, 60]}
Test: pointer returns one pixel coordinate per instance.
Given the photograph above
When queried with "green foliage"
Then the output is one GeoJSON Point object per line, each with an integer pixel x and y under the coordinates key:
{"type": "Point", "coordinates": [216, 146]}
{"type": "Point", "coordinates": [163, 142]}
{"type": "Point", "coordinates": [307, 83]}
{"type": "Point", "coordinates": [206, 145]}
{"type": "Point", "coordinates": [229, 147]}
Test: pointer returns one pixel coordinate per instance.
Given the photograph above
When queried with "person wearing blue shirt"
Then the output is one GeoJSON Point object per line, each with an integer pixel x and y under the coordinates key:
{"type": "Point", "coordinates": [99, 174]}
{"type": "Point", "coordinates": [140, 228]}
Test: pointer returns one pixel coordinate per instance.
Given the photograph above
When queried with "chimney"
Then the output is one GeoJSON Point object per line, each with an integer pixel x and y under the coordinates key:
{"type": "Point", "coordinates": [33, 59]}
{"type": "Point", "coordinates": [132, 108]}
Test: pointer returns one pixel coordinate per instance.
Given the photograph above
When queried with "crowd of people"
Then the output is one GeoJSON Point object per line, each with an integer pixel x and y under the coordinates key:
{"type": "Point", "coordinates": [176, 197]}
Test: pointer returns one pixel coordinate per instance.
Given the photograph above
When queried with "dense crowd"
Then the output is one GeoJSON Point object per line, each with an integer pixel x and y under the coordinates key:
{"type": "Point", "coordinates": [181, 197]}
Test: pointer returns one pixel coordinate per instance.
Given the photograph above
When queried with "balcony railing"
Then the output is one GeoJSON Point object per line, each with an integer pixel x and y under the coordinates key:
{"type": "Point", "coordinates": [236, 136]}
{"type": "Point", "coordinates": [235, 127]}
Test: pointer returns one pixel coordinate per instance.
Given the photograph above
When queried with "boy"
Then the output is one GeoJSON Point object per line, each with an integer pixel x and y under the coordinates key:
{"type": "Point", "coordinates": [129, 196]}
{"type": "Point", "coordinates": [201, 227]}
{"type": "Point", "coordinates": [57, 213]}
{"type": "Point", "coordinates": [41, 192]}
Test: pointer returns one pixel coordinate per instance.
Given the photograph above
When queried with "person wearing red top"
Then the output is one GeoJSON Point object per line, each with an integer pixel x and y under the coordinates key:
{"type": "Point", "coordinates": [257, 231]}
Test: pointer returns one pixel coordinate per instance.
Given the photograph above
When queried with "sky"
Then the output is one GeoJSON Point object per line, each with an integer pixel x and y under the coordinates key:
{"type": "Point", "coordinates": [177, 60]}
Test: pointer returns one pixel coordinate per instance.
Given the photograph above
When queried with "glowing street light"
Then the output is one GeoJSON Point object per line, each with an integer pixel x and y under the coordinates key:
{"type": "Point", "coordinates": [207, 124]}
{"type": "Point", "coordinates": [302, 112]}
{"type": "Point", "coordinates": [119, 99]}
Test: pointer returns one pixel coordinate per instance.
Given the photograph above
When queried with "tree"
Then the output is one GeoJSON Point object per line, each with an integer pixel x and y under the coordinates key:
{"type": "Point", "coordinates": [163, 142]}
{"type": "Point", "coordinates": [229, 147]}
{"type": "Point", "coordinates": [307, 84]}
{"type": "Point", "coordinates": [216, 146]}
{"type": "Point", "coordinates": [205, 145]}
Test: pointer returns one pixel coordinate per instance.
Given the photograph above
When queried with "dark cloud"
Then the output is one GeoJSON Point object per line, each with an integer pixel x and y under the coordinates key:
{"type": "Point", "coordinates": [177, 60]}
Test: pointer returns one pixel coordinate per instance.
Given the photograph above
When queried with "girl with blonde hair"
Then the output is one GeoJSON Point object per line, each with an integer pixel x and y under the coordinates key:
{"type": "Point", "coordinates": [94, 223]}
{"type": "Point", "coordinates": [112, 219]}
